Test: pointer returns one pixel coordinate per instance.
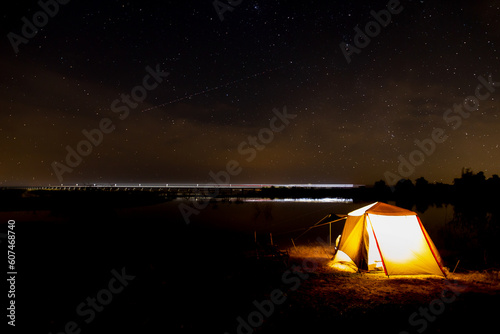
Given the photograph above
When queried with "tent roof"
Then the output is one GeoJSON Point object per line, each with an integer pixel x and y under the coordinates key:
{"type": "Point", "coordinates": [383, 209]}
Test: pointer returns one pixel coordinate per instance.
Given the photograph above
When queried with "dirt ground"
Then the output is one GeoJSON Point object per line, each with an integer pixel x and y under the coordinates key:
{"type": "Point", "coordinates": [333, 300]}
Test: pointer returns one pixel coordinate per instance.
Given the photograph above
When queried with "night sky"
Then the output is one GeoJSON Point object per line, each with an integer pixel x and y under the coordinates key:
{"type": "Point", "coordinates": [354, 120]}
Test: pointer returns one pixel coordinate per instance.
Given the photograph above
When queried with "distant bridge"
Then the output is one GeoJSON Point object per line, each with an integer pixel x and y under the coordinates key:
{"type": "Point", "coordinates": [157, 186]}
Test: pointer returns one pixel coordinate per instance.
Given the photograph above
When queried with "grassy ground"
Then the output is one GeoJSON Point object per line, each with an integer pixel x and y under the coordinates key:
{"type": "Point", "coordinates": [329, 298]}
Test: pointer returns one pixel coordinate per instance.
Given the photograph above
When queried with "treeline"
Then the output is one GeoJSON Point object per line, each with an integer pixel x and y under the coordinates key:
{"type": "Point", "coordinates": [471, 189]}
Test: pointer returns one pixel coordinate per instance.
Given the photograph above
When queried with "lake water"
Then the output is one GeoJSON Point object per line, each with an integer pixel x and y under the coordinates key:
{"type": "Point", "coordinates": [471, 243]}
{"type": "Point", "coordinates": [287, 218]}
{"type": "Point", "coordinates": [468, 239]}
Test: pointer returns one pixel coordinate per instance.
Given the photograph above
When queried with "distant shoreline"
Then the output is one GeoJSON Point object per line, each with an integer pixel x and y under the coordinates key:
{"type": "Point", "coordinates": [470, 190]}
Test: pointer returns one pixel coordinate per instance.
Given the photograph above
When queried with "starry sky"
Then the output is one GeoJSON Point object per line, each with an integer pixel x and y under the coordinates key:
{"type": "Point", "coordinates": [230, 71]}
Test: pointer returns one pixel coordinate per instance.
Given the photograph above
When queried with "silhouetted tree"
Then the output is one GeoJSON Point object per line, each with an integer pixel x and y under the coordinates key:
{"type": "Point", "coordinates": [405, 193]}
{"type": "Point", "coordinates": [405, 188]}
{"type": "Point", "coordinates": [492, 186]}
{"type": "Point", "coordinates": [381, 190]}
{"type": "Point", "coordinates": [421, 183]}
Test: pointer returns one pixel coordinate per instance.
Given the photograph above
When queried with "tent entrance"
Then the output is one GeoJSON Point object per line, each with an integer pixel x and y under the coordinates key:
{"type": "Point", "coordinates": [374, 258]}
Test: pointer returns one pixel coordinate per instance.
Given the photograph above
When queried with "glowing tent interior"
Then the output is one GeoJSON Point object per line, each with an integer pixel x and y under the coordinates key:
{"type": "Point", "coordinates": [383, 236]}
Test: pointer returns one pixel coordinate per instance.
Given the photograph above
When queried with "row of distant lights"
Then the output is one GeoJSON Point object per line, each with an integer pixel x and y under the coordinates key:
{"type": "Point", "coordinates": [230, 185]}
{"type": "Point", "coordinates": [303, 200]}
{"type": "Point", "coordinates": [296, 200]}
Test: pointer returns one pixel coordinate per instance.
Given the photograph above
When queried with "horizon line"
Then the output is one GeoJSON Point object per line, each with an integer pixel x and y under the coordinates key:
{"type": "Point", "coordinates": [193, 185]}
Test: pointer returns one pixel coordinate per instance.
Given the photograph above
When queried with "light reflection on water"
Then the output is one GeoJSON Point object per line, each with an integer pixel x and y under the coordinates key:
{"type": "Point", "coordinates": [301, 200]}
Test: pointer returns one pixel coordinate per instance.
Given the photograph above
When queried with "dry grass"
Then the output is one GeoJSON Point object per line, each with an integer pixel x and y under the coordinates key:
{"type": "Point", "coordinates": [318, 251]}
{"type": "Point", "coordinates": [481, 281]}
{"type": "Point", "coordinates": [342, 298]}
{"type": "Point", "coordinates": [316, 254]}
{"type": "Point", "coordinates": [485, 281]}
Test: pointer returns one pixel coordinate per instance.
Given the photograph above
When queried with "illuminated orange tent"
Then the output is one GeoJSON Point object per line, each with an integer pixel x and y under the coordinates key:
{"type": "Point", "coordinates": [383, 236]}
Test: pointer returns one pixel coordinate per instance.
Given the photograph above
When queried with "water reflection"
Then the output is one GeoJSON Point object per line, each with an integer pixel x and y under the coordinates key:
{"type": "Point", "coordinates": [471, 235]}
{"type": "Point", "coordinates": [301, 200]}
{"type": "Point", "coordinates": [464, 231]}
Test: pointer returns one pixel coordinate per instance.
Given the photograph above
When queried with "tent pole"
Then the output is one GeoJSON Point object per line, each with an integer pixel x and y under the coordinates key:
{"type": "Point", "coordinates": [315, 225]}
{"type": "Point", "coordinates": [311, 227]}
{"type": "Point", "coordinates": [256, 248]}
{"type": "Point", "coordinates": [333, 221]}
{"type": "Point", "coordinates": [330, 230]}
